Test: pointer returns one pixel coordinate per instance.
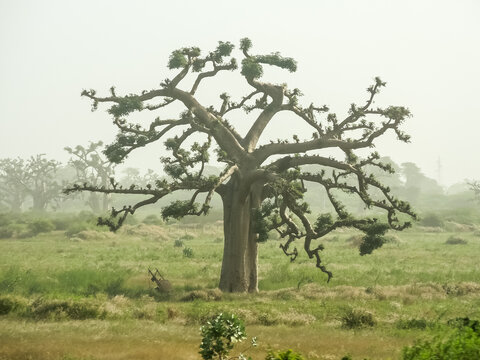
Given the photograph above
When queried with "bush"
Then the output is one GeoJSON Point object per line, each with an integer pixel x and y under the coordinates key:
{"type": "Point", "coordinates": [178, 243]}
{"type": "Point", "coordinates": [40, 226]}
{"type": "Point", "coordinates": [53, 309]}
{"type": "Point", "coordinates": [187, 237]}
{"type": "Point", "coordinates": [464, 344]}
{"type": "Point", "coordinates": [220, 335]}
{"type": "Point", "coordinates": [77, 227]}
{"type": "Point", "coordinates": [354, 319]}
{"type": "Point", "coordinates": [6, 232]}
{"type": "Point", "coordinates": [188, 252]}
{"type": "Point", "coordinates": [6, 305]}
{"type": "Point", "coordinates": [209, 295]}
{"type": "Point", "coordinates": [284, 355]}
{"type": "Point", "coordinates": [432, 220]}
{"type": "Point", "coordinates": [412, 324]}
{"type": "Point", "coordinates": [456, 240]}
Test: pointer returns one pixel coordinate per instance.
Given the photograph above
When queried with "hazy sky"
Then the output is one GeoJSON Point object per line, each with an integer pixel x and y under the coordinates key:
{"type": "Point", "coordinates": [428, 52]}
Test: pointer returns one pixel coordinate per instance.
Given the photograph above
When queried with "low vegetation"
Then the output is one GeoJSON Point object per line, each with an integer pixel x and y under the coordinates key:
{"type": "Point", "coordinates": [59, 293]}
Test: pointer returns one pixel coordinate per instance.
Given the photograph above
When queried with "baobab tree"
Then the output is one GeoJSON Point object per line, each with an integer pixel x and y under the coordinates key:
{"type": "Point", "coordinates": [261, 185]}
{"type": "Point", "coordinates": [35, 178]}
{"type": "Point", "coordinates": [93, 168]}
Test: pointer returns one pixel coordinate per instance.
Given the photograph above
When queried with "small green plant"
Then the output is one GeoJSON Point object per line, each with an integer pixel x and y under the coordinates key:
{"type": "Point", "coordinates": [355, 318]}
{"type": "Point", "coordinates": [284, 355]}
{"type": "Point", "coordinates": [456, 240]}
{"type": "Point", "coordinates": [178, 243]}
{"type": "Point", "coordinates": [220, 335]}
{"type": "Point", "coordinates": [188, 252]}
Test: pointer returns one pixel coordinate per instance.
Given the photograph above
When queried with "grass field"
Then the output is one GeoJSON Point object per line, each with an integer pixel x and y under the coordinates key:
{"type": "Point", "coordinates": [90, 297]}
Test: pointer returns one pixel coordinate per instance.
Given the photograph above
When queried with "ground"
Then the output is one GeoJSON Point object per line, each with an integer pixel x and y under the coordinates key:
{"type": "Point", "coordinates": [89, 296]}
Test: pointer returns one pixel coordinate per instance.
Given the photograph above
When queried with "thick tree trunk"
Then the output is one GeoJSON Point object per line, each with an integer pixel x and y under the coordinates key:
{"type": "Point", "coordinates": [239, 265]}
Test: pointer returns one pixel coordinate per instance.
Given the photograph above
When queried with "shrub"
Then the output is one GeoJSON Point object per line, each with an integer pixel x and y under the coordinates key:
{"type": "Point", "coordinates": [412, 324]}
{"type": "Point", "coordinates": [77, 227]}
{"type": "Point", "coordinates": [6, 232]}
{"type": "Point", "coordinates": [188, 252]}
{"type": "Point", "coordinates": [284, 355]}
{"type": "Point", "coordinates": [40, 226]}
{"type": "Point", "coordinates": [62, 222]}
{"type": "Point", "coordinates": [354, 318]}
{"type": "Point", "coordinates": [220, 335]}
{"type": "Point", "coordinates": [6, 305]}
{"type": "Point", "coordinates": [209, 295]}
{"type": "Point", "coordinates": [432, 220]}
{"type": "Point", "coordinates": [464, 344]}
{"type": "Point", "coordinates": [178, 243]}
{"type": "Point", "coordinates": [456, 240]}
{"type": "Point", "coordinates": [187, 237]}
{"type": "Point", "coordinates": [48, 309]}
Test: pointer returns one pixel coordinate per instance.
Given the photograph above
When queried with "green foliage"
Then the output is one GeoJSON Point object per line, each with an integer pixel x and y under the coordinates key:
{"type": "Point", "coordinates": [284, 355]}
{"type": "Point", "coordinates": [178, 243]}
{"type": "Point", "coordinates": [220, 335]}
{"type": "Point", "coordinates": [357, 318]}
{"type": "Point", "coordinates": [188, 252]}
{"type": "Point", "coordinates": [278, 60]}
{"type": "Point", "coordinates": [38, 226]}
{"type": "Point", "coordinates": [420, 324]}
{"type": "Point", "coordinates": [463, 344]}
{"type": "Point", "coordinates": [178, 209]}
{"type": "Point", "coordinates": [177, 60]}
{"type": "Point", "coordinates": [245, 44]}
{"type": "Point", "coordinates": [251, 68]}
{"type": "Point", "coordinates": [432, 220]}
{"type": "Point", "coordinates": [323, 222]}
{"type": "Point", "coordinates": [374, 237]}
{"type": "Point", "coordinates": [6, 232]}
{"type": "Point", "coordinates": [6, 305]}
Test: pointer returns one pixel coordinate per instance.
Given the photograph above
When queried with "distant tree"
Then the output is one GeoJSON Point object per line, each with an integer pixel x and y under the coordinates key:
{"type": "Point", "coordinates": [416, 183]}
{"type": "Point", "coordinates": [134, 176]}
{"type": "Point", "coordinates": [475, 187]}
{"type": "Point", "coordinates": [13, 191]}
{"type": "Point", "coordinates": [34, 178]}
{"type": "Point", "coordinates": [261, 186]}
{"type": "Point", "coordinates": [94, 168]}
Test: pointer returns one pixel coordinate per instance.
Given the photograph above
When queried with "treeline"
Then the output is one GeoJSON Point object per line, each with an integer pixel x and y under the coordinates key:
{"type": "Point", "coordinates": [37, 183]}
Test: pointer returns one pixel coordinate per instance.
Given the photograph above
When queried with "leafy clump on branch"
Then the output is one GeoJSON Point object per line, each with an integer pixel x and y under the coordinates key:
{"type": "Point", "coordinates": [262, 184]}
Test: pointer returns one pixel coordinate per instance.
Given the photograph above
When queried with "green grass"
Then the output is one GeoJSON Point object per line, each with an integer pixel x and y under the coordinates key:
{"type": "Point", "coordinates": [97, 288]}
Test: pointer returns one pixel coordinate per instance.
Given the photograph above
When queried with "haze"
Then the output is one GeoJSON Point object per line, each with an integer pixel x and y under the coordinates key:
{"type": "Point", "coordinates": [428, 53]}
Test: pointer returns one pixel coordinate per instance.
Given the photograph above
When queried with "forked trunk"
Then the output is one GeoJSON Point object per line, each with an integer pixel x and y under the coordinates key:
{"type": "Point", "coordinates": [239, 265]}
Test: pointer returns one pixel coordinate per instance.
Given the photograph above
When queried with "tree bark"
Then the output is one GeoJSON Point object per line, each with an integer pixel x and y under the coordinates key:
{"type": "Point", "coordinates": [239, 264]}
